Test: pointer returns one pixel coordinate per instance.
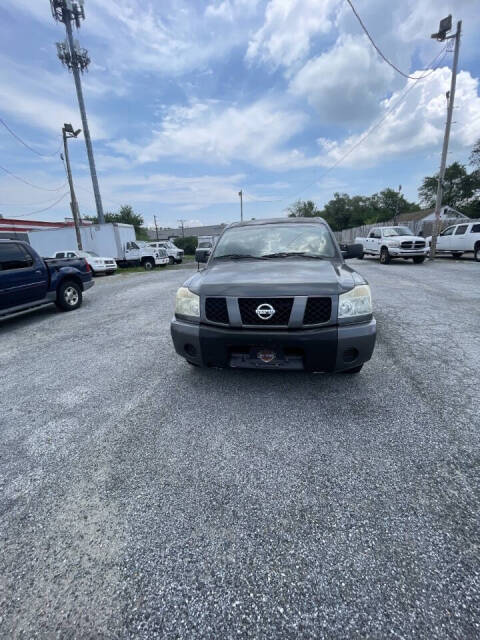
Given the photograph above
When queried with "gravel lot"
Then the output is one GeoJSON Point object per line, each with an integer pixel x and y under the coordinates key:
{"type": "Point", "coordinates": [143, 498]}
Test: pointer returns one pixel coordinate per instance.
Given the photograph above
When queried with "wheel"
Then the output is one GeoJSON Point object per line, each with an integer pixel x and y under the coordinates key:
{"type": "Point", "coordinates": [384, 256]}
{"type": "Point", "coordinates": [457, 254]}
{"type": "Point", "coordinates": [171, 260]}
{"type": "Point", "coordinates": [148, 264]}
{"type": "Point", "coordinates": [354, 369]}
{"type": "Point", "coordinates": [178, 261]}
{"type": "Point", "coordinates": [419, 259]}
{"type": "Point", "coordinates": [476, 252]}
{"type": "Point", "coordinates": [360, 257]}
{"type": "Point", "coordinates": [69, 296]}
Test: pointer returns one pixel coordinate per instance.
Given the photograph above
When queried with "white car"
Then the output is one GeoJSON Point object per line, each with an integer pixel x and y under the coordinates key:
{"type": "Point", "coordinates": [394, 242]}
{"type": "Point", "coordinates": [97, 264]}
{"type": "Point", "coordinates": [174, 254]}
{"type": "Point", "coordinates": [459, 239]}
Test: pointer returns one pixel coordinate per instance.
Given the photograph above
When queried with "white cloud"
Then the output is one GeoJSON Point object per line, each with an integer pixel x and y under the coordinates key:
{"type": "Point", "coordinates": [416, 125]}
{"type": "Point", "coordinates": [289, 26]}
{"type": "Point", "coordinates": [344, 84]}
{"type": "Point", "coordinates": [214, 133]}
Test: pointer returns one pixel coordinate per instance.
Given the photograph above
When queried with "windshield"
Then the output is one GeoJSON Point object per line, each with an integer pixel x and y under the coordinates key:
{"type": "Point", "coordinates": [397, 231]}
{"type": "Point", "coordinates": [256, 241]}
{"type": "Point", "coordinates": [205, 245]}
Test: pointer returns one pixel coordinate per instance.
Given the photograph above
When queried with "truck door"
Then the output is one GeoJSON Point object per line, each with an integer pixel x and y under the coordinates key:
{"type": "Point", "coordinates": [132, 251]}
{"type": "Point", "coordinates": [21, 280]}
{"type": "Point", "coordinates": [459, 239]}
{"type": "Point", "coordinates": [444, 240]}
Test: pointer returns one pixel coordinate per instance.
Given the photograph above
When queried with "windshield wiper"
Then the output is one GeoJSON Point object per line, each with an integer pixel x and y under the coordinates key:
{"type": "Point", "coordinates": [238, 256]}
{"type": "Point", "coordinates": [288, 254]}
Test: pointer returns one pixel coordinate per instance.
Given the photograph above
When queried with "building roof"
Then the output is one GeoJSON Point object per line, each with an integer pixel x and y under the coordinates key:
{"type": "Point", "coordinates": [416, 216]}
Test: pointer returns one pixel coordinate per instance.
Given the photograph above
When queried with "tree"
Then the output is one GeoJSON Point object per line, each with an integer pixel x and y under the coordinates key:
{"type": "Point", "coordinates": [458, 186]}
{"type": "Point", "coordinates": [188, 244]}
{"type": "Point", "coordinates": [475, 155]}
{"type": "Point", "coordinates": [303, 209]}
{"type": "Point", "coordinates": [125, 215]}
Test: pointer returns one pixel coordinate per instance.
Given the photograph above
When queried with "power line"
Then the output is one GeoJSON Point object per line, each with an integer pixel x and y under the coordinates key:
{"type": "Point", "coordinates": [19, 139]}
{"type": "Point", "coordinates": [375, 126]}
{"type": "Point", "coordinates": [32, 213]}
{"type": "Point", "coordinates": [378, 50]}
{"type": "Point", "coordinates": [30, 184]}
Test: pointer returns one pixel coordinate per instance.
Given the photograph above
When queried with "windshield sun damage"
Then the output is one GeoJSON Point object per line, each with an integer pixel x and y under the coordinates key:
{"type": "Point", "coordinates": [397, 231]}
{"type": "Point", "coordinates": [276, 240]}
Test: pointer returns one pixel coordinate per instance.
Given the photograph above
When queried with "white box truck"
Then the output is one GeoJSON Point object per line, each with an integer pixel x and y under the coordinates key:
{"type": "Point", "coordinates": [114, 240]}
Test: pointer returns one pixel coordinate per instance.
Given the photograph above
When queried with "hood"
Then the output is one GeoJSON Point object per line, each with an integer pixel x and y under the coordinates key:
{"type": "Point", "coordinates": [405, 238]}
{"type": "Point", "coordinates": [276, 277]}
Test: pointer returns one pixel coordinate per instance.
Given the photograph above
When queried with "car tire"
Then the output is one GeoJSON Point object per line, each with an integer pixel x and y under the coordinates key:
{"type": "Point", "coordinates": [149, 264]}
{"type": "Point", "coordinates": [69, 296]}
{"type": "Point", "coordinates": [476, 252]}
{"type": "Point", "coordinates": [384, 256]}
{"type": "Point", "coordinates": [171, 260]}
{"type": "Point", "coordinates": [354, 369]}
{"type": "Point", "coordinates": [360, 257]}
{"type": "Point", "coordinates": [178, 261]}
{"type": "Point", "coordinates": [457, 254]}
{"type": "Point", "coordinates": [418, 259]}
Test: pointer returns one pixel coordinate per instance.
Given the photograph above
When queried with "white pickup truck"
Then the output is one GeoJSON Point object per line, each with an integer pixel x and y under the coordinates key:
{"type": "Point", "coordinates": [394, 242]}
{"type": "Point", "coordinates": [459, 239]}
{"type": "Point", "coordinates": [175, 255]}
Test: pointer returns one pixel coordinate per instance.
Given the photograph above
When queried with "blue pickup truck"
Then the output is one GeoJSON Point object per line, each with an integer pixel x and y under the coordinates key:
{"type": "Point", "coordinates": [28, 281]}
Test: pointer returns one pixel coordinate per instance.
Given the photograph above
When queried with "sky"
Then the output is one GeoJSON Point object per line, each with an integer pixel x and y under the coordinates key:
{"type": "Point", "coordinates": [190, 102]}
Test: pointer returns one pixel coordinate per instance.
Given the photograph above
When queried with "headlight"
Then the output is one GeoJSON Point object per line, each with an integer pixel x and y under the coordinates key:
{"type": "Point", "coordinates": [187, 303]}
{"type": "Point", "coordinates": [393, 243]}
{"type": "Point", "coordinates": [357, 302]}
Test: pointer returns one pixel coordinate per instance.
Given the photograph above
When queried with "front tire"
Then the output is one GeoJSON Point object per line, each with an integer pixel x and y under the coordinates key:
{"type": "Point", "coordinates": [69, 296]}
{"type": "Point", "coordinates": [149, 264]}
{"type": "Point", "coordinates": [384, 256]}
{"type": "Point", "coordinates": [418, 259]}
{"type": "Point", "coordinates": [457, 254]}
{"type": "Point", "coordinates": [171, 260]}
{"type": "Point", "coordinates": [476, 252]}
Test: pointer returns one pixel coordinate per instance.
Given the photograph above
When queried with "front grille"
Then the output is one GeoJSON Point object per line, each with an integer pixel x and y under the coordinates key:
{"type": "Point", "coordinates": [281, 306]}
{"type": "Point", "coordinates": [216, 310]}
{"type": "Point", "coordinates": [317, 310]}
{"type": "Point", "coordinates": [410, 244]}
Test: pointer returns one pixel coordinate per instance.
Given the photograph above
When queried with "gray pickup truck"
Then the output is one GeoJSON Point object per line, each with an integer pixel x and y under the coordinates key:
{"type": "Point", "coordinates": [276, 294]}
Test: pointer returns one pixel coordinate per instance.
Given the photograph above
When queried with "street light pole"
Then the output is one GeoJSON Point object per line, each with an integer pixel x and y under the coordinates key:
{"type": "Point", "coordinates": [68, 129]}
{"type": "Point", "coordinates": [240, 193]}
{"type": "Point", "coordinates": [445, 25]}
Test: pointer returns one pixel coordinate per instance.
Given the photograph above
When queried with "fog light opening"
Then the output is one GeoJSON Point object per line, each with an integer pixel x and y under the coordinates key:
{"type": "Point", "coordinates": [350, 355]}
{"type": "Point", "coordinates": [190, 350]}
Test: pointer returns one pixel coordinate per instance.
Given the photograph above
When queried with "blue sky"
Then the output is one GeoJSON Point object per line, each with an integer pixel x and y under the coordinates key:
{"type": "Point", "coordinates": [189, 102]}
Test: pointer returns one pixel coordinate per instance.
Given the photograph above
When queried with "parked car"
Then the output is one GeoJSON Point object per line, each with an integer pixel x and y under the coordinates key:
{"type": "Point", "coordinates": [175, 255]}
{"type": "Point", "coordinates": [459, 239]}
{"type": "Point", "coordinates": [393, 242]}
{"type": "Point", "coordinates": [276, 294]}
{"type": "Point", "coordinates": [28, 281]}
{"type": "Point", "coordinates": [97, 264]}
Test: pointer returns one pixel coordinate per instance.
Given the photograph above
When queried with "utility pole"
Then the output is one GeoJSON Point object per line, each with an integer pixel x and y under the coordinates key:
{"type": "Point", "coordinates": [76, 60]}
{"type": "Point", "coordinates": [156, 228]}
{"type": "Point", "coordinates": [445, 26]}
{"type": "Point", "coordinates": [68, 132]}
{"type": "Point", "coordinates": [182, 225]}
{"type": "Point", "coordinates": [240, 193]}
{"type": "Point", "coordinates": [395, 217]}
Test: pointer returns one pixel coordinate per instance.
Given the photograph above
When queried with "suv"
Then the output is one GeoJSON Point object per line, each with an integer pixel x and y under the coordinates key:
{"type": "Point", "coordinates": [276, 294]}
{"type": "Point", "coordinates": [175, 255]}
{"type": "Point", "coordinates": [459, 239]}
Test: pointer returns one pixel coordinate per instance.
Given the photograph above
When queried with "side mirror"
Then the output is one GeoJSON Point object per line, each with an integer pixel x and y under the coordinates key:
{"type": "Point", "coordinates": [350, 251]}
{"type": "Point", "coordinates": [201, 255]}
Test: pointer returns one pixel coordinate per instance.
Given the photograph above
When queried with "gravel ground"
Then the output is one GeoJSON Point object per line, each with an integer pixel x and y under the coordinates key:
{"type": "Point", "coordinates": [143, 498]}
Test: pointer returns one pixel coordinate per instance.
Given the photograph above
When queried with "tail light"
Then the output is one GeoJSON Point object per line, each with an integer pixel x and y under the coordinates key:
{"type": "Point", "coordinates": [88, 266]}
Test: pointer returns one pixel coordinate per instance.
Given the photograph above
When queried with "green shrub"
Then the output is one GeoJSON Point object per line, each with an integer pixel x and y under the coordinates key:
{"type": "Point", "coordinates": [188, 244]}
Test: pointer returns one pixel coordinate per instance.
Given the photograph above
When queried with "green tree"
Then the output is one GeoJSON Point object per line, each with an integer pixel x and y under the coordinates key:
{"type": "Point", "coordinates": [125, 215]}
{"type": "Point", "coordinates": [458, 186]}
{"type": "Point", "coordinates": [303, 209]}
{"type": "Point", "coordinates": [188, 244]}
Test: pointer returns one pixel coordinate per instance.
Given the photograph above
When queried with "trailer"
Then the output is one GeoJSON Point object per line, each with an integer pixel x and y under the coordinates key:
{"type": "Point", "coordinates": [115, 240]}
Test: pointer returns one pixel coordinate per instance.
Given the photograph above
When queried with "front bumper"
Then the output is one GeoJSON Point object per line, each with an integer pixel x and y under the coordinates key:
{"type": "Point", "coordinates": [332, 348]}
{"type": "Point", "coordinates": [407, 253]}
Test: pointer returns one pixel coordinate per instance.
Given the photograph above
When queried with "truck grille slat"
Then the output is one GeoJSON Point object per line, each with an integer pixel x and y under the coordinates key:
{"type": "Point", "coordinates": [216, 310]}
{"type": "Point", "coordinates": [410, 244]}
{"type": "Point", "coordinates": [317, 310]}
{"type": "Point", "coordinates": [281, 306]}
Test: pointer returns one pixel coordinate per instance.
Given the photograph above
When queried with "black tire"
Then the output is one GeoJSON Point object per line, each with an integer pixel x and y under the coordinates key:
{"type": "Point", "coordinates": [360, 257]}
{"type": "Point", "coordinates": [419, 259]}
{"type": "Point", "coordinates": [457, 254]}
{"type": "Point", "coordinates": [384, 256]}
{"type": "Point", "coordinates": [69, 296]}
{"type": "Point", "coordinates": [178, 261]}
{"type": "Point", "coordinates": [476, 252]}
{"type": "Point", "coordinates": [148, 264]}
{"type": "Point", "coordinates": [354, 369]}
{"type": "Point", "coordinates": [171, 260]}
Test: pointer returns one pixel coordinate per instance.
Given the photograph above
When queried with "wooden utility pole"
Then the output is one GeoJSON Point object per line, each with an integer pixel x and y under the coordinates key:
{"type": "Point", "coordinates": [67, 128]}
